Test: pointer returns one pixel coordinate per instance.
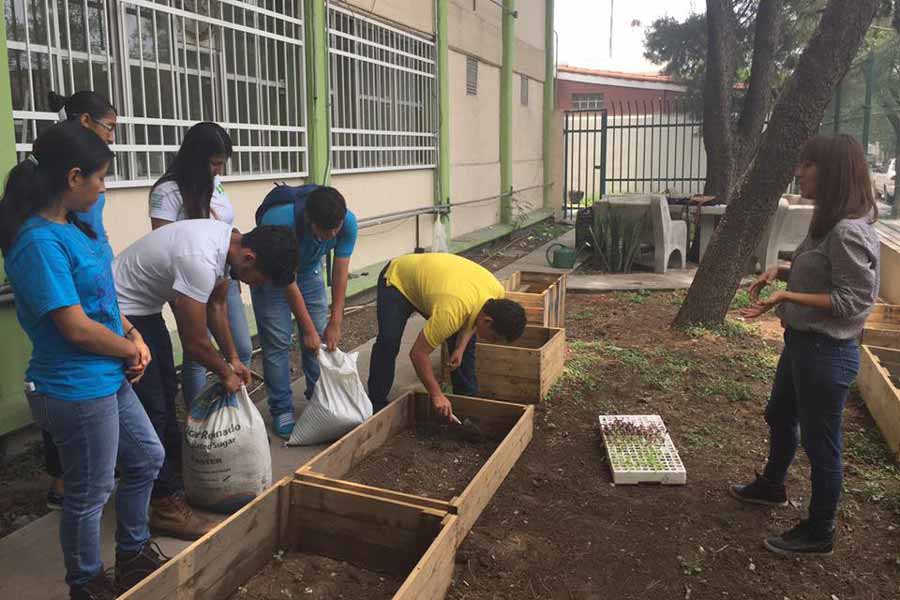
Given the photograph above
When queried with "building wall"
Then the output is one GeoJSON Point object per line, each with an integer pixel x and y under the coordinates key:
{"type": "Point", "coordinates": [612, 95]}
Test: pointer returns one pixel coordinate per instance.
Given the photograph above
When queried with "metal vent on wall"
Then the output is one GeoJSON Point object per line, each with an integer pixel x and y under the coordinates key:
{"type": "Point", "coordinates": [471, 76]}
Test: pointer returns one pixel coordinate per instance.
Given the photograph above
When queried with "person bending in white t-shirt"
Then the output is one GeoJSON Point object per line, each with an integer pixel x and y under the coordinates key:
{"type": "Point", "coordinates": [189, 264]}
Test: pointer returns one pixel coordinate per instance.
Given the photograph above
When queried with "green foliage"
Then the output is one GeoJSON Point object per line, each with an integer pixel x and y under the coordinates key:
{"type": "Point", "coordinates": [742, 297]}
{"type": "Point", "coordinates": [616, 240]}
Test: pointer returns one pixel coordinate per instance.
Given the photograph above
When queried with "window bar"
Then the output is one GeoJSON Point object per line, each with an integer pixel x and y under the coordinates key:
{"type": "Point", "coordinates": [223, 68]}
{"type": "Point", "coordinates": [268, 111]}
{"type": "Point", "coordinates": [68, 47]}
{"type": "Point", "coordinates": [278, 102]}
{"type": "Point", "coordinates": [259, 85]}
{"type": "Point", "coordinates": [197, 26]}
{"type": "Point", "coordinates": [32, 121]}
{"type": "Point", "coordinates": [87, 39]}
{"type": "Point", "coordinates": [140, 31]}
{"type": "Point", "coordinates": [247, 84]}
{"type": "Point", "coordinates": [125, 74]}
{"type": "Point", "coordinates": [214, 75]}
{"type": "Point", "coordinates": [234, 76]}
{"type": "Point", "coordinates": [107, 39]}
{"type": "Point", "coordinates": [50, 18]}
{"type": "Point", "coordinates": [185, 112]}
{"type": "Point", "coordinates": [159, 104]}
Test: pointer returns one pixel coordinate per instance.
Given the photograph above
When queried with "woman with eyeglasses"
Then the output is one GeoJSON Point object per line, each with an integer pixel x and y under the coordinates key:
{"type": "Point", "coordinates": [95, 113]}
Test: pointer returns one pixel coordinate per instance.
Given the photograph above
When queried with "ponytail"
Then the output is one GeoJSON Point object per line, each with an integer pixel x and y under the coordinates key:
{"type": "Point", "coordinates": [37, 183]}
{"type": "Point", "coordinates": [79, 103]}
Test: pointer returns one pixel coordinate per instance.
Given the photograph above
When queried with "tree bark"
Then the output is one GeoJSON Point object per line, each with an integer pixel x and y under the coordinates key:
{"type": "Point", "coordinates": [758, 101]}
{"type": "Point", "coordinates": [795, 118]}
{"type": "Point", "coordinates": [718, 131]}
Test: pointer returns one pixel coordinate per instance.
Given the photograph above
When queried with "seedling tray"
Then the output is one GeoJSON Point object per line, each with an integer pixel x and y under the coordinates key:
{"type": "Point", "coordinates": [640, 450]}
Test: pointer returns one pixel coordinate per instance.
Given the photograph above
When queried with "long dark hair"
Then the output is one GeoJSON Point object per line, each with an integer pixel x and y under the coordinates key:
{"type": "Point", "coordinates": [37, 182]}
{"type": "Point", "coordinates": [843, 186]}
{"type": "Point", "coordinates": [190, 168]}
{"type": "Point", "coordinates": [80, 103]}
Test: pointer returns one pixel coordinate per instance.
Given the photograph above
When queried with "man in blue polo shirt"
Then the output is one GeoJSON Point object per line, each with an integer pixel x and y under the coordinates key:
{"type": "Point", "coordinates": [322, 223]}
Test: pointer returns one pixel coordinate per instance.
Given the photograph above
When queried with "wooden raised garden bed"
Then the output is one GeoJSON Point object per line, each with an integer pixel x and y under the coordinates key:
{"type": "Point", "coordinates": [522, 371]}
{"type": "Point", "coordinates": [510, 425]}
{"type": "Point", "coordinates": [879, 379]}
{"type": "Point", "coordinates": [315, 512]}
{"type": "Point", "coordinates": [412, 543]}
{"type": "Point", "coordinates": [883, 327]}
{"type": "Point", "coordinates": [542, 295]}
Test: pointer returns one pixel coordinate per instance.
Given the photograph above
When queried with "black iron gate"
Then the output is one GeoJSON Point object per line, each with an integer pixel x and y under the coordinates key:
{"type": "Point", "coordinates": [632, 148]}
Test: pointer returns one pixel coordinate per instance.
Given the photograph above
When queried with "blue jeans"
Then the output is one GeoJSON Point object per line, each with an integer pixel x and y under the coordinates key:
{"type": "Point", "coordinates": [394, 311]}
{"type": "Point", "coordinates": [193, 374]}
{"type": "Point", "coordinates": [811, 385]}
{"type": "Point", "coordinates": [273, 318]}
{"type": "Point", "coordinates": [92, 436]}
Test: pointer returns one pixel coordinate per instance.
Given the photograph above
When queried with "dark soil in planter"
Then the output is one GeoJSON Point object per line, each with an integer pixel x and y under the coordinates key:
{"type": "Point", "coordinates": [431, 460]}
{"type": "Point", "coordinates": [311, 577]}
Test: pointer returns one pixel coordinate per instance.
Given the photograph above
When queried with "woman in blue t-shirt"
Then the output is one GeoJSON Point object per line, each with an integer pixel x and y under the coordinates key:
{"type": "Point", "coordinates": [95, 113]}
{"type": "Point", "coordinates": [84, 354]}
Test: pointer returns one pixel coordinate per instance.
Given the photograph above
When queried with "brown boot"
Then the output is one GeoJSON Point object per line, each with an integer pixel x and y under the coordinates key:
{"type": "Point", "coordinates": [173, 516]}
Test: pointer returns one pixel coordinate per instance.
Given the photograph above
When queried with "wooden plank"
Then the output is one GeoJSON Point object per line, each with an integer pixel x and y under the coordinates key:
{"type": "Point", "coordinates": [494, 419]}
{"type": "Point", "coordinates": [472, 501]}
{"type": "Point", "coordinates": [881, 397]}
{"type": "Point", "coordinates": [885, 338]}
{"type": "Point", "coordinates": [511, 389]}
{"type": "Point", "coordinates": [360, 488]}
{"type": "Point", "coordinates": [430, 578]}
{"type": "Point", "coordinates": [373, 533]}
{"type": "Point", "coordinates": [890, 272]}
{"type": "Point", "coordinates": [885, 314]}
{"type": "Point", "coordinates": [348, 451]}
{"type": "Point", "coordinates": [215, 565]}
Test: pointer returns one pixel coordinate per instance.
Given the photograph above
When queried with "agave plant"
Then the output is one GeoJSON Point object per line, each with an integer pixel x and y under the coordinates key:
{"type": "Point", "coordinates": [617, 240]}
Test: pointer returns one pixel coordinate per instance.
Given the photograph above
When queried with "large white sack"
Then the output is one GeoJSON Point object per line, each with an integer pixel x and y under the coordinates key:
{"type": "Point", "coordinates": [339, 402]}
{"type": "Point", "coordinates": [225, 455]}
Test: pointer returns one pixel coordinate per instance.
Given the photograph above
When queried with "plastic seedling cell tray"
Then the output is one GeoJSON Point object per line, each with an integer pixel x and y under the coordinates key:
{"type": "Point", "coordinates": [640, 450]}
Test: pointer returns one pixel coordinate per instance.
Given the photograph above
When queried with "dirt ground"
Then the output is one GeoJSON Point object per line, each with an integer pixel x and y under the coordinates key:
{"type": "Point", "coordinates": [435, 462]}
{"type": "Point", "coordinates": [311, 577]}
{"type": "Point", "coordinates": [558, 528]}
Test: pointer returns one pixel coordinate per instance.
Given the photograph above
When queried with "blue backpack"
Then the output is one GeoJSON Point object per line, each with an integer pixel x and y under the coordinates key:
{"type": "Point", "coordinates": [287, 194]}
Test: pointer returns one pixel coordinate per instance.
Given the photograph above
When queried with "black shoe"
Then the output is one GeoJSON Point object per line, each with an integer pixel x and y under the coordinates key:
{"type": "Point", "coordinates": [132, 567]}
{"type": "Point", "coordinates": [54, 500]}
{"type": "Point", "coordinates": [99, 588]}
{"type": "Point", "coordinates": [802, 539]}
{"type": "Point", "coordinates": [761, 491]}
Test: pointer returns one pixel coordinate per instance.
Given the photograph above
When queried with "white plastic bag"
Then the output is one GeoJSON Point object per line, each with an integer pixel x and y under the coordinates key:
{"type": "Point", "coordinates": [439, 242]}
{"type": "Point", "coordinates": [225, 454]}
{"type": "Point", "coordinates": [339, 402]}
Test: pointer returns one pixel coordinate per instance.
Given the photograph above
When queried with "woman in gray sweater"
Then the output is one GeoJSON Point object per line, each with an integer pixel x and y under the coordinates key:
{"type": "Point", "coordinates": [832, 286]}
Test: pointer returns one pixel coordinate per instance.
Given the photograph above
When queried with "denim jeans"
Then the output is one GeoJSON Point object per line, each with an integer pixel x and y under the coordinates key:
{"type": "Point", "coordinates": [274, 321]}
{"type": "Point", "coordinates": [157, 390]}
{"type": "Point", "coordinates": [193, 374]}
{"type": "Point", "coordinates": [92, 436]}
{"type": "Point", "coordinates": [811, 385]}
{"type": "Point", "coordinates": [394, 311]}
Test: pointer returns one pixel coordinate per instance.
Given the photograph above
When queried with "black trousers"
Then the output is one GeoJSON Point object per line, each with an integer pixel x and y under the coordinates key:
{"type": "Point", "coordinates": [157, 390]}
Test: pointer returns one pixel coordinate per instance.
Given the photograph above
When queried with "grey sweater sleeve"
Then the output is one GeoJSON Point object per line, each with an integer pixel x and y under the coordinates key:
{"type": "Point", "coordinates": [854, 274]}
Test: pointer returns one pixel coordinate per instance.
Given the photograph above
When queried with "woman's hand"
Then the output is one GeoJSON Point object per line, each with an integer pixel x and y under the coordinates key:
{"type": "Point", "coordinates": [135, 371]}
{"type": "Point", "coordinates": [770, 275]}
{"type": "Point", "coordinates": [761, 307]}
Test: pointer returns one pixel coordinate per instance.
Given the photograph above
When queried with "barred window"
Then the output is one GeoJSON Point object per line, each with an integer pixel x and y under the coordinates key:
{"type": "Point", "coordinates": [590, 101]}
{"type": "Point", "coordinates": [165, 65]}
{"type": "Point", "coordinates": [382, 95]}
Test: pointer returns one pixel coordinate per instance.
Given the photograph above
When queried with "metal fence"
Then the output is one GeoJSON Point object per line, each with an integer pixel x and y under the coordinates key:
{"type": "Point", "coordinates": [632, 148]}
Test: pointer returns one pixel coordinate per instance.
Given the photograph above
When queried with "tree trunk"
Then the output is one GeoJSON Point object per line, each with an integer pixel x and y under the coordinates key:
{"type": "Point", "coordinates": [758, 101]}
{"type": "Point", "coordinates": [795, 118]}
{"type": "Point", "coordinates": [718, 133]}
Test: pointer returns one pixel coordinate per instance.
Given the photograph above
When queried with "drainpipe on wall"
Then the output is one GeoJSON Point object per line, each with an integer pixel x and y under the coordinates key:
{"type": "Point", "coordinates": [549, 77]}
{"type": "Point", "coordinates": [315, 48]}
{"type": "Point", "coordinates": [442, 183]}
{"type": "Point", "coordinates": [506, 107]}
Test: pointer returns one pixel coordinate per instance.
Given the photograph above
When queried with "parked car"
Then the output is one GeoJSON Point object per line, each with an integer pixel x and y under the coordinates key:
{"type": "Point", "coordinates": [884, 183]}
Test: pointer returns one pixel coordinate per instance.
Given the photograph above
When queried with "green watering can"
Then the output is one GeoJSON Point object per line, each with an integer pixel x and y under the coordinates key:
{"type": "Point", "coordinates": [564, 258]}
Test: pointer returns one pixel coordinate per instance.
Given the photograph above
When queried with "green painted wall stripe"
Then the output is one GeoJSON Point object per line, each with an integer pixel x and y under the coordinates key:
{"type": "Point", "coordinates": [315, 39]}
{"type": "Point", "coordinates": [506, 107]}
{"type": "Point", "coordinates": [549, 102]}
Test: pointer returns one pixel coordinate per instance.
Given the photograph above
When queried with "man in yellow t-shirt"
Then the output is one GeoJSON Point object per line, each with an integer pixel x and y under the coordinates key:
{"type": "Point", "coordinates": [462, 301]}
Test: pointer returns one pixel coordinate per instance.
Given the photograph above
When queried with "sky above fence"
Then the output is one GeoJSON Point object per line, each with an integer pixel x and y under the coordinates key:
{"type": "Point", "coordinates": [584, 31]}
